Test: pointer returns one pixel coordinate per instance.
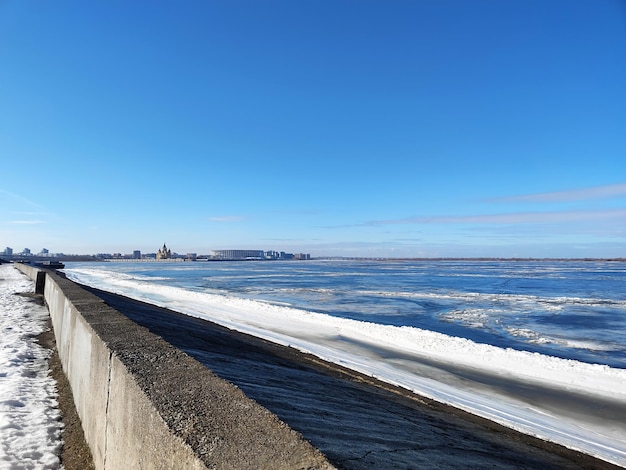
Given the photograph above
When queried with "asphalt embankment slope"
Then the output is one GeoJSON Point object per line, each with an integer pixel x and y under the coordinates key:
{"type": "Point", "coordinates": [356, 421]}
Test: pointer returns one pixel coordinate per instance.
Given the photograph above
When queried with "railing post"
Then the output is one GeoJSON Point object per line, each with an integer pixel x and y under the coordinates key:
{"type": "Point", "coordinates": [40, 283]}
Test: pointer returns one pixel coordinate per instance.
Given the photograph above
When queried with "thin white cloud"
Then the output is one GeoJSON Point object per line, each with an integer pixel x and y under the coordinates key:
{"type": "Point", "coordinates": [227, 218]}
{"type": "Point", "coordinates": [582, 194]}
{"type": "Point", "coordinates": [508, 218]}
{"type": "Point", "coordinates": [20, 199]}
{"type": "Point", "coordinates": [27, 222]}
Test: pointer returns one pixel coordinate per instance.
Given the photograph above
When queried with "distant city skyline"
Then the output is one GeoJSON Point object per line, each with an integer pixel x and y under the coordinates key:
{"type": "Point", "coordinates": [8, 254]}
{"type": "Point", "coordinates": [338, 128]}
{"type": "Point", "coordinates": [164, 253]}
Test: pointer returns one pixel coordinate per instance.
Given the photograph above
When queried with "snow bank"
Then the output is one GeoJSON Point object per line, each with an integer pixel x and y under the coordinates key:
{"type": "Point", "coordinates": [30, 426]}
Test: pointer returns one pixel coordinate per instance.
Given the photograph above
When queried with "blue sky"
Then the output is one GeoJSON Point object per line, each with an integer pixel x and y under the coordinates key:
{"type": "Point", "coordinates": [354, 128]}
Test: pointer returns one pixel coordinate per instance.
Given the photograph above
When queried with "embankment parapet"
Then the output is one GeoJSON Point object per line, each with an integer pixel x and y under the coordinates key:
{"type": "Point", "coordinates": [145, 404]}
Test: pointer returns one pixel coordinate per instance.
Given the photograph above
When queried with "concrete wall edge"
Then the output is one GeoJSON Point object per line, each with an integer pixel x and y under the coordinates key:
{"type": "Point", "coordinates": [145, 404]}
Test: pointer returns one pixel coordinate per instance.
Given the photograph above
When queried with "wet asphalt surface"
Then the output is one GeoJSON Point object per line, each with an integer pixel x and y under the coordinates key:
{"type": "Point", "coordinates": [356, 421]}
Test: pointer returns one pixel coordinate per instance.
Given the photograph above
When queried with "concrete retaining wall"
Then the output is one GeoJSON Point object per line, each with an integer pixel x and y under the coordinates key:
{"type": "Point", "coordinates": [145, 404]}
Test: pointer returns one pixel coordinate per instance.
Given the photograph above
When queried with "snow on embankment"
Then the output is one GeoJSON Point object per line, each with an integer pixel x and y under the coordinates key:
{"type": "Point", "coordinates": [390, 354]}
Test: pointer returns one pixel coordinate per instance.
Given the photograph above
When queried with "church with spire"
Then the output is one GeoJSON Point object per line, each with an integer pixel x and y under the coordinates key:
{"type": "Point", "coordinates": [164, 253]}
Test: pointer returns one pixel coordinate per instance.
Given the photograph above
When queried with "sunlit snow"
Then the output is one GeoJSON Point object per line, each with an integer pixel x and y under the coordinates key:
{"type": "Point", "coordinates": [30, 426]}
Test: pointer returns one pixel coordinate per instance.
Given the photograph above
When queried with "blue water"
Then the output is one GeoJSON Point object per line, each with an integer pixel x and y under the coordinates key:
{"type": "Point", "coordinates": [570, 309]}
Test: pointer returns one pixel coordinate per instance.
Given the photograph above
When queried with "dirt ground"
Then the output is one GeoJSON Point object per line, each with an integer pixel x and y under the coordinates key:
{"type": "Point", "coordinates": [75, 454]}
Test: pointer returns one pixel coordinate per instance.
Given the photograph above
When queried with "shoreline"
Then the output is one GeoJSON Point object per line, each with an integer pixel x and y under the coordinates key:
{"type": "Point", "coordinates": [576, 404]}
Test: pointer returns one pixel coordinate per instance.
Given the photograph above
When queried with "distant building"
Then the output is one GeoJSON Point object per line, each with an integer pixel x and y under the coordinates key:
{"type": "Point", "coordinates": [8, 251]}
{"type": "Point", "coordinates": [256, 254]}
{"type": "Point", "coordinates": [238, 254]}
{"type": "Point", "coordinates": [26, 252]}
{"type": "Point", "coordinates": [137, 254]}
{"type": "Point", "coordinates": [164, 253]}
